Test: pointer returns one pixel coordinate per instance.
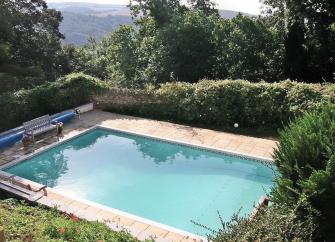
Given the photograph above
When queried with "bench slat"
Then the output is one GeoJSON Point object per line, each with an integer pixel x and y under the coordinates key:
{"type": "Point", "coordinates": [38, 125]}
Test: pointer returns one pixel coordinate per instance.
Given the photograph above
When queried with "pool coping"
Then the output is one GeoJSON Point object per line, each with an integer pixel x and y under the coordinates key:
{"type": "Point", "coordinates": [132, 216]}
{"type": "Point", "coordinates": [263, 160]}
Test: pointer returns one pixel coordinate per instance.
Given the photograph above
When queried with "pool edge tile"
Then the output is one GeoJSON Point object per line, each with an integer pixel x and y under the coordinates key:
{"type": "Point", "coordinates": [117, 222]}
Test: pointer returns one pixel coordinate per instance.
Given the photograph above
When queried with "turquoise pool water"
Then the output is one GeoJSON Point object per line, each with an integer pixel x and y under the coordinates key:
{"type": "Point", "coordinates": [160, 181]}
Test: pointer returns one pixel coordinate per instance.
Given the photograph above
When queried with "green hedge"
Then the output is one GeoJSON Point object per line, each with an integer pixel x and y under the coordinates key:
{"type": "Point", "coordinates": [210, 103]}
{"type": "Point", "coordinates": [67, 92]}
{"type": "Point", "coordinates": [222, 103]}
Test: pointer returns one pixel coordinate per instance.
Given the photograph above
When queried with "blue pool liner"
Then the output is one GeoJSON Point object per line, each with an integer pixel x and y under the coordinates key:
{"type": "Point", "coordinates": [10, 138]}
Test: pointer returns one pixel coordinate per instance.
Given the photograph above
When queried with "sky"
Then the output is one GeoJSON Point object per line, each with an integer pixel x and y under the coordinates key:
{"type": "Point", "coordinates": [247, 6]}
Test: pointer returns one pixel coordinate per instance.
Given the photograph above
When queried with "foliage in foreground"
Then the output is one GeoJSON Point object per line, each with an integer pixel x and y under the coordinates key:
{"type": "Point", "coordinates": [67, 92]}
{"type": "Point", "coordinates": [305, 159]}
{"type": "Point", "coordinates": [304, 195]}
{"type": "Point", "coordinates": [27, 223]}
{"type": "Point", "coordinates": [275, 223]}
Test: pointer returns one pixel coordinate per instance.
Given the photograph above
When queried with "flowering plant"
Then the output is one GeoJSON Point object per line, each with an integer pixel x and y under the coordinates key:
{"type": "Point", "coordinates": [59, 128]}
{"type": "Point", "coordinates": [25, 139]}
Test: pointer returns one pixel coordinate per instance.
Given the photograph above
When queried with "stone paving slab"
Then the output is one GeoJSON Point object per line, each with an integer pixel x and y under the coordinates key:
{"type": "Point", "coordinates": [219, 140]}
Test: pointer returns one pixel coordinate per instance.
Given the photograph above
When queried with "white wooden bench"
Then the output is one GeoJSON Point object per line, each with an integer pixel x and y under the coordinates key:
{"type": "Point", "coordinates": [38, 126]}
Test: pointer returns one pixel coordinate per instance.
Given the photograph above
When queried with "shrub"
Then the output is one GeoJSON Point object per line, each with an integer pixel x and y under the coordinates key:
{"type": "Point", "coordinates": [305, 159]}
{"type": "Point", "coordinates": [275, 223]}
{"type": "Point", "coordinates": [222, 103]}
{"type": "Point", "coordinates": [67, 92]}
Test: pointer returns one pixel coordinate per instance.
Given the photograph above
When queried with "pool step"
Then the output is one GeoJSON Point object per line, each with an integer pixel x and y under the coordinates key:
{"type": "Point", "coordinates": [20, 188]}
{"type": "Point", "coordinates": [20, 192]}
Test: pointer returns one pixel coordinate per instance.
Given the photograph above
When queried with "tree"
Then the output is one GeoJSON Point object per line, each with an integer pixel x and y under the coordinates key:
{"type": "Point", "coordinates": [190, 45]}
{"type": "Point", "coordinates": [296, 53]}
{"type": "Point", "coordinates": [160, 10]}
{"type": "Point", "coordinates": [92, 58]}
{"type": "Point", "coordinates": [29, 40]}
{"type": "Point", "coordinates": [313, 20]}
{"type": "Point", "coordinates": [247, 48]}
{"type": "Point", "coordinates": [154, 60]}
{"type": "Point", "coordinates": [6, 34]}
{"type": "Point", "coordinates": [206, 6]}
{"type": "Point", "coordinates": [121, 56]}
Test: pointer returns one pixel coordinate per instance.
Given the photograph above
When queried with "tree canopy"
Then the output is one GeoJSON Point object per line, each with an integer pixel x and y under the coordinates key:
{"type": "Point", "coordinates": [309, 37]}
{"type": "Point", "coordinates": [29, 42]}
{"type": "Point", "coordinates": [186, 43]}
{"type": "Point", "coordinates": [173, 40]}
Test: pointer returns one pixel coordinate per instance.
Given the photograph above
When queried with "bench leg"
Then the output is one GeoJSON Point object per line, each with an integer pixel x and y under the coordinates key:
{"type": "Point", "coordinates": [2, 235]}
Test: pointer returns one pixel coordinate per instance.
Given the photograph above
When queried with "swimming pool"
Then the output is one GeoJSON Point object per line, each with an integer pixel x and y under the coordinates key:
{"type": "Point", "coordinates": [162, 181]}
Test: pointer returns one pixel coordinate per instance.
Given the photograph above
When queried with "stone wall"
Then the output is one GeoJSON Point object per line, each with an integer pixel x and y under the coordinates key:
{"type": "Point", "coordinates": [118, 97]}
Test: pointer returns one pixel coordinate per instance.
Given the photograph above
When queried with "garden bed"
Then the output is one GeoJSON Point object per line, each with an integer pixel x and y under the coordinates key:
{"type": "Point", "coordinates": [23, 222]}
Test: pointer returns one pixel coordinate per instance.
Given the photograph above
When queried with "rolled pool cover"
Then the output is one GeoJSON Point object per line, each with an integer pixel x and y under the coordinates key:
{"type": "Point", "coordinates": [12, 138]}
{"type": "Point", "coordinates": [64, 118]}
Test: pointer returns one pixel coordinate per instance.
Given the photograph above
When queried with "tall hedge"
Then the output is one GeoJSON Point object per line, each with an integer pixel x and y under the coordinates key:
{"type": "Point", "coordinates": [67, 92]}
{"type": "Point", "coordinates": [222, 103]}
{"type": "Point", "coordinates": [213, 103]}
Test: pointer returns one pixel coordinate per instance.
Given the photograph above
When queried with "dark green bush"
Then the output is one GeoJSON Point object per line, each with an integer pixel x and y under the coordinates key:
{"type": "Point", "coordinates": [67, 92]}
{"type": "Point", "coordinates": [223, 103]}
{"type": "Point", "coordinates": [305, 159]}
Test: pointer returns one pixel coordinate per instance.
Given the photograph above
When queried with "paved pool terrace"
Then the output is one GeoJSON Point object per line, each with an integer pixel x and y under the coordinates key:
{"type": "Point", "coordinates": [118, 220]}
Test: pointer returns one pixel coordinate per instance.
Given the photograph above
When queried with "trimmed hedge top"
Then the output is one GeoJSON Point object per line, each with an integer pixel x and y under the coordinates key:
{"type": "Point", "coordinates": [210, 103]}
{"type": "Point", "coordinates": [67, 92]}
{"type": "Point", "coordinates": [222, 103]}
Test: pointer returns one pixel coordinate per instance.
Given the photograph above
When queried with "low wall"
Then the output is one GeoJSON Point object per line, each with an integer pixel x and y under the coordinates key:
{"type": "Point", "coordinates": [121, 97]}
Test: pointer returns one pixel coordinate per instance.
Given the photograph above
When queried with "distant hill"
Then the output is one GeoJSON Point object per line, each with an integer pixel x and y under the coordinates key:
{"type": "Point", "coordinates": [78, 27]}
{"type": "Point", "coordinates": [82, 20]}
{"type": "Point", "coordinates": [229, 14]}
